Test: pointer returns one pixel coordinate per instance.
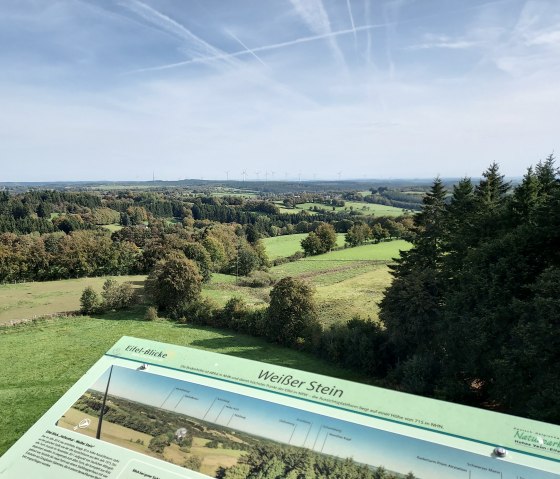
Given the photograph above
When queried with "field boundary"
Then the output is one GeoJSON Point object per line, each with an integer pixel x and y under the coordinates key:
{"type": "Point", "coordinates": [37, 318]}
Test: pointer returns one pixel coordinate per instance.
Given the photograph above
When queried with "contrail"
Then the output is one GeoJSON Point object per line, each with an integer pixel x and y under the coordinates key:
{"type": "Point", "coordinates": [167, 24]}
{"type": "Point", "coordinates": [368, 47]}
{"type": "Point", "coordinates": [264, 48]}
{"type": "Point", "coordinates": [247, 48]}
{"type": "Point", "coordinates": [352, 22]}
{"type": "Point", "coordinates": [313, 13]}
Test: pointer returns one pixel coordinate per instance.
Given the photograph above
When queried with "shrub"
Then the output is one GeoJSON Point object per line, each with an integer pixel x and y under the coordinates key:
{"type": "Point", "coordinates": [193, 463]}
{"type": "Point", "coordinates": [257, 279]}
{"type": "Point", "coordinates": [151, 314]}
{"type": "Point", "coordinates": [89, 301]}
{"type": "Point", "coordinates": [200, 311]}
{"type": "Point", "coordinates": [117, 296]}
{"type": "Point", "coordinates": [159, 443]}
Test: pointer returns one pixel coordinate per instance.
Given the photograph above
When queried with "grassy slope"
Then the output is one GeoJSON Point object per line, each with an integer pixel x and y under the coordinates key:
{"type": "Point", "coordinates": [41, 361]}
{"type": "Point", "coordinates": [337, 275]}
{"type": "Point", "coordinates": [361, 207]}
{"type": "Point", "coordinates": [112, 228]}
{"type": "Point", "coordinates": [283, 246]}
{"type": "Point", "coordinates": [26, 300]}
{"type": "Point", "coordinates": [348, 282]}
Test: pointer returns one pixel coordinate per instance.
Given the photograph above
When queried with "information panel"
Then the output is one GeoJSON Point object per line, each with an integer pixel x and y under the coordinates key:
{"type": "Point", "coordinates": [154, 410]}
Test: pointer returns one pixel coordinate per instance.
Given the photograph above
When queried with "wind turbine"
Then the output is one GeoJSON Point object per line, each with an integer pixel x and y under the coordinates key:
{"type": "Point", "coordinates": [244, 175]}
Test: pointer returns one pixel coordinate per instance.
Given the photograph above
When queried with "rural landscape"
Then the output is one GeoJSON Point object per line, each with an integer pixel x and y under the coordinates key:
{"type": "Point", "coordinates": [364, 189]}
{"type": "Point", "coordinates": [414, 299]}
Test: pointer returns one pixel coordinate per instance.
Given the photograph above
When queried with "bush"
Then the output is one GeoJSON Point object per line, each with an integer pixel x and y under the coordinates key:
{"type": "Point", "coordinates": [117, 296]}
{"type": "Point", "coordinates": [201, 311]}
{"type": "Point", "coordinates": [193, 463]}
{"type": "Point", "coordinates": [159, 443]}
{"type": "Point", "coordinates": [359, 345]}
{"type": "Point", "coordinates": [89, 301]}
{"type": "Point", "coordinates": [257, 279]}
{"type": "Point", "coordinates": [151, 314]}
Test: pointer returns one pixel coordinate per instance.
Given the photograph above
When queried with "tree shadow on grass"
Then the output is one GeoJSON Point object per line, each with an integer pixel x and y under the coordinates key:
{"type": "Point", "coordinates": [257, 349]}
{"type": "Point", "coordinates": [136, 313]}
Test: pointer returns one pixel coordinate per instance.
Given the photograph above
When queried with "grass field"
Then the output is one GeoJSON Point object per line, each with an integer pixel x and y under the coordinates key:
{"type": "Point", "coordinates": [112, 228]}
{"type": "Point", "coordinates": [348, 282]}
{"type": "Point", "coordinates": [26, 300]}
{"type": "Point", "coordinates": [41, 360]}
{"type": "Point", "coordinates": [350, 269]}
{"type": "Point", "coordinates": [360, 207]}
{"type": "Point", "coordinates": [287, 245]}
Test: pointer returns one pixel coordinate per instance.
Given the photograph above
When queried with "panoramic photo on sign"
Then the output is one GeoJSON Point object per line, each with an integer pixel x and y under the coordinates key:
{"type": "Point", "coordinates": [150, 409]}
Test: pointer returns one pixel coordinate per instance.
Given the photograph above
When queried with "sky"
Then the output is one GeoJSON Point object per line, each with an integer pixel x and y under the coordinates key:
{"type": "Point", "coordinates": [280, 89]}
{"type": "Point", "coordinates": [303, 428]}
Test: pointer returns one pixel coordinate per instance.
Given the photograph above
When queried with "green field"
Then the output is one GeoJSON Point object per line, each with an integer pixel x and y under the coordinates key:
{"type": "Point", "coordinates": [113, 228]}
{"type": "Point", "coordinates": [360, 207]}
{"type": "Point", "coordinates": [41, 360]}
{"type": "Point", "coordinates": [27, 300]}
{"type": "Point", "coordinates": [287, 245]}
{"type": "Point", "coordinates": [362, 268]}
{"type": "Point", "coordinates": [223, 287]}
{"type": "Point", "coordinates": [348, 282]}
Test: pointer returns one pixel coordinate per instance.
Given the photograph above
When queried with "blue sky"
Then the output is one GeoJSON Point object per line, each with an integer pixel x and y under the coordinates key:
{"type": "Point", "coordinates": [301, 428]}
{"type": "Point", "coordinates": [118, 89]}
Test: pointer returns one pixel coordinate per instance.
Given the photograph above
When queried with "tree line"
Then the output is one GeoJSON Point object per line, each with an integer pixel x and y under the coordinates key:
{"type": "Point", "coordinates": [473, 313]}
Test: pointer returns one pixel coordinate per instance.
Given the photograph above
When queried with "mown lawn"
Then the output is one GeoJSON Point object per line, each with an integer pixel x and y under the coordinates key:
{"type": "Point", "coordinates": [41, 360]}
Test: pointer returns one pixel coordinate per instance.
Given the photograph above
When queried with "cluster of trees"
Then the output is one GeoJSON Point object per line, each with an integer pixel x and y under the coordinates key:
{"type": "Point", "coordinates": [322, 237]}
{"type": "Point", "coordinates": [320, 241]}
{"type": "Point", "coordinates": [133, 250]}
{"type": "Point", "coordinates": [114, 297]}
{"type": "Point", "coordinates": [396, 198]}
{"type": "Point", "coordinates": [473, 313]}
{"type": "Point", "coordinates": [362, 233]}
{"type": "Point", "coordinates": [60, 255]}
{"type": "Point", "coordinates": [291, 318]}
{"type": "Point", "coordinates": [47, 235]}
{"type": "Point", "coordinates": [267, 461]}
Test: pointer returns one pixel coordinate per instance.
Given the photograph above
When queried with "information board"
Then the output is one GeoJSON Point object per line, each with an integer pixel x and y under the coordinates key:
{"type": "Point", "coordinates": [154, 410]}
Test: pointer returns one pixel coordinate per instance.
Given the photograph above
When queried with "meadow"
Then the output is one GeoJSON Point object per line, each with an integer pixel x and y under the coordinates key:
{"type": "Point", "coordinates": [348, 282]}
{"type": "Point", "coordinates": [287, 245]}
{"type": "Point", "coordinates": [28, 300]}
{"type": "Point", "coordinates": [42, 359]}
{"type": "Point", "coordinates": [360, 207]}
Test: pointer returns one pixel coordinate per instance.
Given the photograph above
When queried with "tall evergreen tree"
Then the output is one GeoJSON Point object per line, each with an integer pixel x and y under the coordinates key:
{"type": "Point", "coordinates": [410, 308]}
